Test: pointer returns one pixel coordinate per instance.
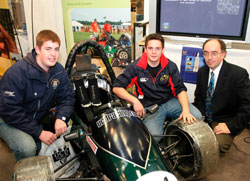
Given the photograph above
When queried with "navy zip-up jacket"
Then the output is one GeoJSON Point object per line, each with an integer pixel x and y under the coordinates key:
{"type": "Point", "coordinates": [167, 84]}
{"type": "Point", "coordinates": [27, 93]}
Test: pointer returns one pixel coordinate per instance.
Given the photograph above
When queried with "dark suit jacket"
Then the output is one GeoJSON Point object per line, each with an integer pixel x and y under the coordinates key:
{"type": "Point", "coordinates": [231, 99]}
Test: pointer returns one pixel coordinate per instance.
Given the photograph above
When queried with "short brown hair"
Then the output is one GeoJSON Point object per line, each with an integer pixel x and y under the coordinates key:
{"type": "Point", "coordinates": [221, 42]}
{"type": "Point", "coordinates": [46, 35]}
{"type": "Point", "coordinates": [154, 36]}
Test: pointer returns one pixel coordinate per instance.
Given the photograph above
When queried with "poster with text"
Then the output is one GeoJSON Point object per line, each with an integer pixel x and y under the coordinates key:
{"type": "Point", "coordinates": [106, 22]}
{"type": "Point", "coordinates": [191, 60]}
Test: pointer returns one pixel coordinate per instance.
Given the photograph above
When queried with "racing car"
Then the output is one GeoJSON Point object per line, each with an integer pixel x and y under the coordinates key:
{"type": "Point", "coordinates": [112, 143]}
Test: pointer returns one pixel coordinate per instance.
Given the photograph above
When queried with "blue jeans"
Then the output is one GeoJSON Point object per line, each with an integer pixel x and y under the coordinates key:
{"type": "Point", "coordinates": [22, 144]}
{"type": "Point", "coordinates": [171, 109]}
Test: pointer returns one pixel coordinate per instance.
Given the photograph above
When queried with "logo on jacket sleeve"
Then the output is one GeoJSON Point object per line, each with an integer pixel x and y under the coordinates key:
{"type": "Point", "coordinates": [143, 79]}
{"type": "Point", "coordinates": [54, 83]}
{"type": "Point", "coordinates": [9, 93]}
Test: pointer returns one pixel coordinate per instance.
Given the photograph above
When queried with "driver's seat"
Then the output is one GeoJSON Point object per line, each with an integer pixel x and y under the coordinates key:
{"type": "Point", "coordinates": [92, 88]}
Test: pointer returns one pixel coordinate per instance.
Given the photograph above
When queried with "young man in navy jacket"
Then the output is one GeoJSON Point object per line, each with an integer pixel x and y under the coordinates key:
{"type": "Point", "coordinates": [28, 90]}
{"type": "Point", "coordinates": [157, 81]}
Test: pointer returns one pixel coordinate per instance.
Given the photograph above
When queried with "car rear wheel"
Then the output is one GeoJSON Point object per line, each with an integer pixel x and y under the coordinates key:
{"type": "Point", "coordinates": [191, 151]}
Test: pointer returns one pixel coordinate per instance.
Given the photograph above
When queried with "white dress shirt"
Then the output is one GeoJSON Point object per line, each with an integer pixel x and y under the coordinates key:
{"type": "Point", "coordinates": [216, 74]}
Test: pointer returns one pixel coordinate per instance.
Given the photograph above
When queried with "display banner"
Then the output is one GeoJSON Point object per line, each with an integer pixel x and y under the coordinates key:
{"type": "Point", "coordinates": [7, 39]}
{"type": "Point", "coordinates": [107, 22]}
{"type": "Point", "coordinates": [192, 59]}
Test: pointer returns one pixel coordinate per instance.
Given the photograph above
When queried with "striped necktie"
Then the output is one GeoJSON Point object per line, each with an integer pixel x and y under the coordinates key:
{"type": "Point", "coordinates": [210, 92]}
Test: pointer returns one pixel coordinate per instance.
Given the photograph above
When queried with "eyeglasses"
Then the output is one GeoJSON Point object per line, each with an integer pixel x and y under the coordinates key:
{"type": "Point", "coordinates": [213, 54]}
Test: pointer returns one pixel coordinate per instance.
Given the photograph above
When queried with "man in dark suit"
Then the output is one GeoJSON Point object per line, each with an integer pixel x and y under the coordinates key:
{"type": "Point", "coordinates": [224, 100]}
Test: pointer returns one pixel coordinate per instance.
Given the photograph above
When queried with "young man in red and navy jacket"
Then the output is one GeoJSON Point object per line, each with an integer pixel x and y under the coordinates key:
{"type": "Point", "coordinates": [157, 81]}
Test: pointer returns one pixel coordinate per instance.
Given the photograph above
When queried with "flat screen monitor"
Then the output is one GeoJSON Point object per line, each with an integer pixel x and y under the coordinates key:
{"type": "Point", "coordinates": [226, 19]}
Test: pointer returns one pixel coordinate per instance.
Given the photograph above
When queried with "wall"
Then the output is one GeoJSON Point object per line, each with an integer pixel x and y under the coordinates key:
{"type": "Point", "coordinates": [47, 14]}
{"type": "Point", "coordinates": [173, 50]}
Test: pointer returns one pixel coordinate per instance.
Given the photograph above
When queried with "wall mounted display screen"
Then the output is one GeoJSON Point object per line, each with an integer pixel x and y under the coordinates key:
{"type": "Point", "coordinates": [225, 19]}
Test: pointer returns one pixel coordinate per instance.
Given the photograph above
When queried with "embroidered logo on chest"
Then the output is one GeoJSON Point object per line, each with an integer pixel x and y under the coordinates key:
{"type": "Point", "coordinates": [164, 78]}
{"type": "Point", "coordinates": [54, 83]}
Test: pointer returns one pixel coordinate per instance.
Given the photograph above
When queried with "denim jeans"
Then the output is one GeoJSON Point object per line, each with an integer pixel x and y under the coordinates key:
{"type": "Point", "coordinates": [171, 109]}
{"type": "Point", "coordinates": [22, 144]}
